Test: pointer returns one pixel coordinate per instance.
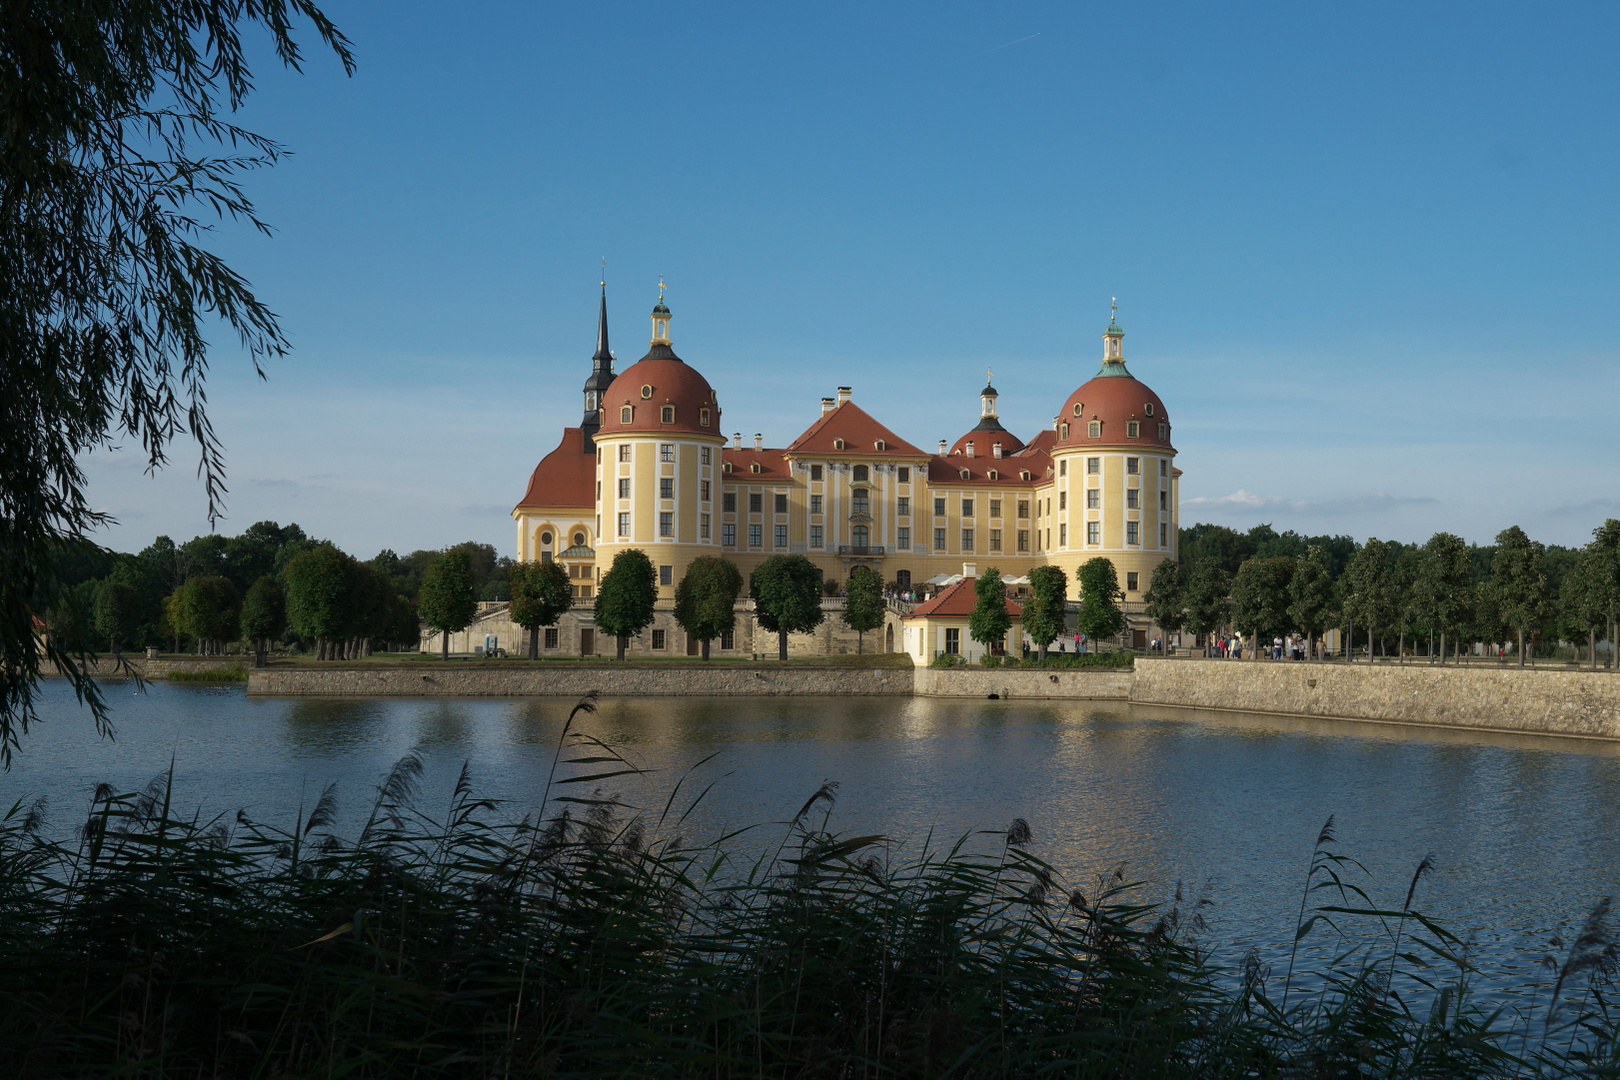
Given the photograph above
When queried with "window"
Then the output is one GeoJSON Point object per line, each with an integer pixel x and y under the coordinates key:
{"type": "Point", "coordinates": [880, 445]}
{"type": "Point", "coordinates": [624, 452]}
{"type": "Point", "coordinates": [703, 418]}
{"type": "Point", "coordinates": [815, 472]}
{"type": "Point", "coordinates": [905, 475]}
{"type": "Point", "coordinates": [660, 637]}
{"type": "Point", "coordinates": [995, 539]}
{"type": "Point", "coordinates": [967, 539]}
{"type": "Point", "coordinates": [1023, 508]}
{"type": "Point", "coordinates": [1063, 467]}
{"type": "Point", "coordinates": [1063, 535]}
{"type": "Point", "coordinates": [902, 506]}
{"type": "Point", "coordinates": [551, 637]}
{"type": "Point", "coordinates": [1164, 467]}
{"type": "Point", "coordinates": [666, 575]}
{"type": "Point", "coordinates": [754, 468]}
{"type": "Point", "coordinates": [728, 502]}
{"type": "Point", "coordinates": [859, 502]}
{"type": "Point", "coordinates": [939, 507]}
{"type": "Point", "coordinates": [728, 639]}
{"type": "Point", "coordinates": [1133, 466]}
{"type": "Point", "coordinates": [703, 526]}
{"type": "Point", "coordinates": [939, 539]}
{"type": "Point", "coordinates": [1133, 499]}
{"type": "Point", "coordinates": [1164, 536]}
{"type": "Point", "coordinates": [1131, 580]}
{"type": "Point", "coordinates": [1147, 409]}
{"type": "Point", "coordinates": [704, 452]}
{"type": "Point", "coordinates": [666, 523]}
{"type": "Point", "coordinates": [646, 393]}
{"type": "Point", "coordinates": [666, 451]}
{"type": "Point", "coordinates": [1023, 540]}
{"type": "Point", "coordinates": [902, 538]}
{"type": "Point", "coordinates": [626, 414]}
{"type": "Point", "coordinates": [815, 536]}
{"type": "Point", "coordinates": [1063, 431]}
{"type": "Point", "coordinates": [1132, 533]}
{"type": "Point", "coordinates": [667, 414]}
{"type": "Point", "coordinates": [754, 532]}
{"type": "Point", "coordinates": [953, 640]}
{"type": "Point", "coordinates": [728, 534]}
{"type": "Point", "coordinates": [1063, 500]}
{"type": "Point", "coordinates": [1079, 408]}
{"type": "Point", "coordinates": [624, 524]}
{"type": "Point", "coordinates": [967, 507]}
{"type": "Point", "coordinates": [1093, 466]}
{"type": "Point", "coordinates": [666, 487]}
{"type": "Point", "coordinates": [995, 508]}
{"type": "Point", "coordinates": [993, 474]}
{"type": "Point", "coordinates": [1133, 429]}
{"type": "Point", "coordinates": [703, 490]}
{"type": "Point", "coordinates": [1093, 498]}
{"type": "Point", "coordinates": [579, 539]}
{"type": "Point", "coordinates": [755, 501]}
{"type": "Point", "coordinates": [624, 487]}
{"type": "Point", "coordinates": [1164, 432]}
{"type": "Point", "coordinates": [1093, 532]}
{"type": "Point", "coordinates": [815, 504]}
{"type": "Point", "coordinates": [1094, 429]}
{"type": "Point", "coordinates": [781, 504]}
{"type": "Point", "coordinates": [859, 475]}
{"type": "Point", "coordinates": [1164, 500]}
{"type": "Point", "coordinates": [545, 556]}
{"type": "Point", "coordinates": [781, 536]}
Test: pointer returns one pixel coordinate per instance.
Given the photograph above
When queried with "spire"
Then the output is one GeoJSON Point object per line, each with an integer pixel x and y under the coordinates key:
{"type": "Point", "coordinates": [1113, 343]}
{"type": "Point", "coordinates": [604, 355]}
{"type": "Point", "coordinates": [601, 376]}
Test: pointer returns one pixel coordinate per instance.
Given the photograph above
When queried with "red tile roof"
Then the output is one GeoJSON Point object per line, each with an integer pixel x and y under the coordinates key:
{"type": "Point", "coordinates": [957, 600]}
{"type": "Point", "coordinates": [773, 467]}
{"type": "Point", "coordinates": [1115, 400]}
{"type": "Point", "coordinates": [566, 477]}
{"type": "Point", "coordinates": [948, 470]}
{"type": "Point", "coordinates": [859, 431]}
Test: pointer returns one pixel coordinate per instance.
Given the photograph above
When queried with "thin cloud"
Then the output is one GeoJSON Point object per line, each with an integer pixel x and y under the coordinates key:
{"type": "Point", "coordinates": [1010, 44]}
{"type": "Point", "coordinates": [1586, 509]}
{"type": "Point", "coordinates": [273, 483]}
{"type": "Point", "coordinates": [1351, 504]}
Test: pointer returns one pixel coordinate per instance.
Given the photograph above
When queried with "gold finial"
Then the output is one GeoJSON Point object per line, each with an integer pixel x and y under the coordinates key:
{"type": "Point", "coordinates": [661, 286]}
{"type": "Point", "coordinates": [1113, 309]}
{"type": "Point", "coordinates": [604, 271]}
{"type": "Point", "coordinates": [988, 375]}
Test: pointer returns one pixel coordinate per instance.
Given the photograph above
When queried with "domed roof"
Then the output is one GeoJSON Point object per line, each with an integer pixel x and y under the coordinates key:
{"type": "Point", "coordinates": [656, 381]}
{"type": "Point", "coordinates": [1115, 399]}
{"type": "Point", "coordinates": [986, 434]}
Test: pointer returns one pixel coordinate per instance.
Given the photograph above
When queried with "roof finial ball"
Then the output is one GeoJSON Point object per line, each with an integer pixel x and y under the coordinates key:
{"type": "Point", "coordinates": [660, 317]}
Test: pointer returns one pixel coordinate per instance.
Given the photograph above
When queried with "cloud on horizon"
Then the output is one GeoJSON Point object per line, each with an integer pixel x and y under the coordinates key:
{"type": "Point", "coordinates": [1243, 499]}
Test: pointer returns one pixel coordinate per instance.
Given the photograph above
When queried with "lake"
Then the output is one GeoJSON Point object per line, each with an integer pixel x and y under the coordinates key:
{"type": "Point", "coordinates": [1525, 830]}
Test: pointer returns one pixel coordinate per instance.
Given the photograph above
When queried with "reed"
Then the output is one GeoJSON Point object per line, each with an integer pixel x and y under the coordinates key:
{"type": "Point", "coordinates": [589, 939]}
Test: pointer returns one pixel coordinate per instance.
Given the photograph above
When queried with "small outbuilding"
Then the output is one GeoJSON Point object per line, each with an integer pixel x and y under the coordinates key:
{"type": "Point", "coordinates": [941, 625]}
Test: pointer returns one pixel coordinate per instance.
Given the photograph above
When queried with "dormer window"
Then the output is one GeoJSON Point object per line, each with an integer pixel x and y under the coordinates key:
{"type": "Point", "coordinates": [1079, 408]}
{"type": "Point", "coordinates": [838, 444]}
{"type": "Point", "coordinates": [754, 467]}
{"type": "Point", "coordinates": [626, 414]}
{"type": "Point", "coordinates": [1133, 429]}
{"type": "Point", "coordinates": [1063, 431]}
{"type": "Point", "coordinates": [725, 466]}
{"type": "Point", "coordinates": [1164, 432]}
{"type": "Point", "coordinates": [994, 475]}
{"type": "Point", "coordinates": [966, 475]}
{"type": "Point", "coordinates": [703, 418]}
{"type": "Point", "coordinates": [646, 393]}
{"type": "Point", "coordinates": [1024, 474]}
{"type": "Point", "coordinates": [1096, 429]}
{"type": "Point", "coordinates": [880, 445]}
{"type": "Point", "coordinates": [1147, 409]}
{"type": "Point", "coordinates": [667, 414]}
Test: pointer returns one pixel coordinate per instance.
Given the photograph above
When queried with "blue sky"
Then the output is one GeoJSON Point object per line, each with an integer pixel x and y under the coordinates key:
{"type": "Point", "coordinates": [1365, 253]}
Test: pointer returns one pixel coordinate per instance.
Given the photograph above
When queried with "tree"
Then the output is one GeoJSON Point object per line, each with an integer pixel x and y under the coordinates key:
{"type": "Point", "coordinates": [1369, 597]}
{"type": "Point", "coordinates": [118, 613]}
{"type": "Point", "coordinates": [1100, 595]}
{"type": "Point", "coordinates": [787, 597]}
{"type": "Point", "coordinates": [1166, 599]}
{"type": "Point", "coordinates": [625, 600]}
{"type": "Point", "coordinates": [110, 112]}
{"type": "Point", "coordinates": [1043, 612]}
{"type": "Point", "coordinates": [1310, 595]}
{"type": "Point", "coordinates": [1260, 599]}
{"type": "Point", "coordinates": [1606, 543]}
{"type": "Point", "coordinates": [209, 609]}
{"type": "Point", "coordinates": [1208, 587]}
{"type": "Point", "coordinates": [706, 599]}
{"type": "Point", "coordinates": [540, 595]}
{"type": "Point", "coordinates": [1444, 592]}
{"type": "Point", "coordinates": [990, 621]}
{"type": "Point", "coordinates": [448, 602]}
{"type": "Point", "coordinates": [1581, 599]}
{"type": "Point", "coordinates": [264, 615]}
{"type": "Point", "coordinates": [318, 595]}
{"type": "Point", "coordinates": [1517, 591]}
{"type": "Point", "coordinates": [864, 608]}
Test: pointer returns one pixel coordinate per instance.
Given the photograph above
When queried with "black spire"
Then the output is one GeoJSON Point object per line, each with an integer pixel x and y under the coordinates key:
{"type": "Point", "coordinates": [601, 377]}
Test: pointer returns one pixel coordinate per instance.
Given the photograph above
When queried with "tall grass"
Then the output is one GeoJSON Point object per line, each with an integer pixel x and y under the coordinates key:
{"type": "Point", "coordinates": [590, 939]}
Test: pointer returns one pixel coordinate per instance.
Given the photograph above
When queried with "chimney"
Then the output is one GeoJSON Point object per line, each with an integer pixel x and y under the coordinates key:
{"type": "Point", "coordinates": [759, 441]}
{"type": "Point", "coordinates": [995, 450]}
{"type": "Point", "coordinates": [845, 394]}
{"type": "Point", "coordinates": [942, 447]}
{"type": "Point", "coordinates": [970, 448]}
{"type": "Point", "coordinates": [970, 569]}
{"type": "Point", "coordinates": [828, 405]}
{"type": "Point", "coordinates": [736, 440]}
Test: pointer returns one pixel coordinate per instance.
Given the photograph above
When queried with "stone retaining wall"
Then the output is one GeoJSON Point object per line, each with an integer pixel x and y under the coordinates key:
{"type": "Point", "coordinates": [106, 667]}
{"type": "Point", "coordinates": [574, 680]}
{"type": "Point", "coordinates": [1503, 699]}
{"type": "Point", "coordinates": [1072, 683]}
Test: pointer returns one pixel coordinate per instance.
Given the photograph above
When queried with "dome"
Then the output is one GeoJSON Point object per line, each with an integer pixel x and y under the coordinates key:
{"type": "Point", "coordinates": [1116, 400]}
{"type": "Point", "coordinates": [986, 434]}
{"type": "Point", "coordinates": [658, 381]}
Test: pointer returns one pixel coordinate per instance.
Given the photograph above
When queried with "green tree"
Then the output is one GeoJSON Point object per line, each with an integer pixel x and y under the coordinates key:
{"type": "Point", "coordinates": [706, 599]}
{"type": "Point", "coordinates": [864, 608]}
{"type": "Point", "coordinates": [1517, 591]}
{"type": "Point", "coordinates": [1208, 606]}
{"type": "Point", "coordinates": [209, 610]}
{"type": "Point", "coordinates": [1166, 599]}
{"type": "Point", "coordinates": [626, 598]}
{"type": "Point", "coordinates": [786, 590]}
{"type": "Point", "coordinates": [1444, 593]}
{"type": "Point", "coordinates": [1260, 599]}
{"type": "Point", "coordinates": [1581, 599]}
{"type": "Point", "coordinates": [448, 601]}
{"type": "Point", "coordinates": [1606, 543]}
{"type": "Point", "coordinates": [1100, 595]}
{"type": "Point", "coordinates": [117, 613]}
{"type": "Point", "coordinates": [540, 595]}
{"type": "Point", "coordinates": [1369, 595]}
{"type": "Point", "coordinates": [318, 595]}
{"type": "Point", "coordinates": [1310, 595]}
{"type": "Point", "coordinates": [1043, 612]}
{"type": "Point", "coordinates": [990, 621]}
{"type": "Point", "coordinates": [264, 615]}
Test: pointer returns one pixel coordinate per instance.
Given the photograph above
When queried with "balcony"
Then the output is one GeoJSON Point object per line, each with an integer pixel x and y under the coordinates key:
{"type": "Point", "coordinates": [867, 550]}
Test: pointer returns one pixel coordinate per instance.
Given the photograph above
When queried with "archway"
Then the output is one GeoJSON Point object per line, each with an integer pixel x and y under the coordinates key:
{"type": "Point", "coordinates": [888, 638]}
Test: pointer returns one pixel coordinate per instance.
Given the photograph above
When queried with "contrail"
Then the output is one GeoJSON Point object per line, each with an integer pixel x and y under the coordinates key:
{"type": "Point", "coordinates": [1009, 44]}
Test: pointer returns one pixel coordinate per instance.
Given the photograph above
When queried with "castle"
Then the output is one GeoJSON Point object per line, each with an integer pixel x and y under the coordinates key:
{"type": "Point", "coordinates": [649, 467]}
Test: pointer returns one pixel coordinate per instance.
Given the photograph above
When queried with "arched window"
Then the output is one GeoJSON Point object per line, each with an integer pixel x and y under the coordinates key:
{"type": "Point", "coordinates": [703, 418]}
{"type": "Point", "coordinates": [838, 444]}
{"type": "Point", "coordinates": [966, 475]}
{"type": "Point", "coordinates": [1063, 432]}
{"type": "Point", "coordinates": [880, 445]}
{"type": "Point", "coordinates": [625, 414]}
{"type": "Point", "coordinates": [994, 475]}
{"type": "Point", "coordinates": [579, 539]}
{"type": "Point", "coordinates": [859, 536]}
{"type": "Point", "coordinates": [667, 414]}
{"type": "Point", "coordinates": [859, 474]}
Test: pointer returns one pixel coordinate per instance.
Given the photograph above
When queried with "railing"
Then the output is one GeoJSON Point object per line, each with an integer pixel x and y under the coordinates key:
{"type": "Point", "coordinates": [860, 549]}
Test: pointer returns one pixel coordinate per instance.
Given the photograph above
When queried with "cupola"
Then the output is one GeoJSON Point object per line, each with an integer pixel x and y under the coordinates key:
{"type": "Point", "coordinates": [660, 317]}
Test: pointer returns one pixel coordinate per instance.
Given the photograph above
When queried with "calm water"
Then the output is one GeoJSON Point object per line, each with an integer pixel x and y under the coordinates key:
{"type": "Point", "coordinates": [1525, 831]}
